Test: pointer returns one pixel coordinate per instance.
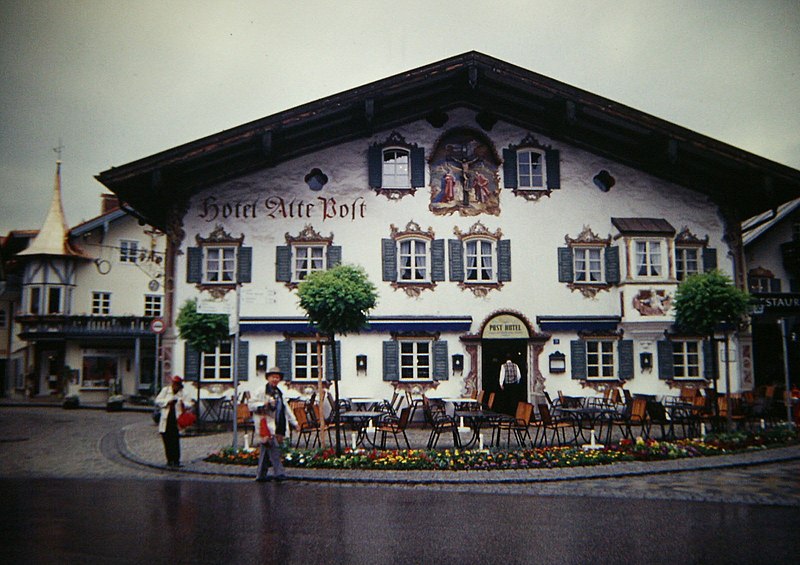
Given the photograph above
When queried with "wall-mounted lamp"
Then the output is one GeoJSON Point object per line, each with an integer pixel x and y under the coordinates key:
{"type": "Point", "coordinates": [558, 362]}
{"type": "Point", "coordinates": [646, 361]}
{"type": "Point", "coordinates": [458, 362]}
{"type": "Point", "coordinates": [361, 363]}
{"type": "Point", "coordinates": [261, 363]}
{"type": "Point", "coordinates": [604, 181]}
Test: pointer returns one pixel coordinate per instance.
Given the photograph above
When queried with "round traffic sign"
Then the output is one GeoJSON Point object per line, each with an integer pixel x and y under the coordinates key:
{"type": "Point", "coordinates": [158, 326]}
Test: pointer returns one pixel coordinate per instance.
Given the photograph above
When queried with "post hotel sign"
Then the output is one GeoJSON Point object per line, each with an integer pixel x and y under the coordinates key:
{"type": "Point", "coordinates": [505, 326]}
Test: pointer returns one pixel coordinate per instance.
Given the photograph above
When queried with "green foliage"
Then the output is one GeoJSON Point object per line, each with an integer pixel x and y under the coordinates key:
{"type": "Point", "coordinates": [338, 301]}
{"type": "Point", "coordinates": [706, 300]}
{"type": "Point", "coordinates": [202, 331]}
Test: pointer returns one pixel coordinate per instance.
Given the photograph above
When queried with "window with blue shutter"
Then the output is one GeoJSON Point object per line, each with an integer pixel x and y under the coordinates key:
{"type": "Point", "coordinates": [334, 256]}
{"type": "Point", "coordinates": [283, 263]}
{"type": "Point", "coordinates": [417, 167]}
{"type": "Point", "coordinates": [456, 260]}
{"type": "Point", "coordinates": [708, 360]}
{"type": "Point", "coordinates": [666, 363]}
{"type": "Point", "coordinates": [391, 361]}
{"type": "Point", "coordinates": [553, 170]}
{"type": "Point", "coordinates": [565, 272]}
{"type": "Point", "coordinates": [194, 265]}
{"type": "Point", "coordinates": [395, 164]}
{"type": "Point", "coordinates": [530, 166]}
{"type": "Point", "coordinates": [244, 264]}
{"type": "Point", "coordinates": [612, 265]}
{"type": "Point", "coordinates": [283, 357]}
{"type": "Point", "coordinates": [504, 260]}
{"type": "Point", "coordinates": [440, 361]}
{"type": "Point", "coordinates": [437, 260]}
{"type": "Point", "coordinates": [329, 372]}
{"type": "Point", "coordinates": [709, 259]}
{"type": "Point", "coordinates": [375, 163]}
{"type": "Point", "coordinates": [243, 362]}
{"type": "Point", "coordinates": [577, 350]}
{"type": "Point", "coordinates": [510, 168]}
{"type": "Point", "coordinates": [191, 362]}
{"type": "Point", "coordinates": [389, 259]}
{"type": "Point", "coordinates": [626, 363]}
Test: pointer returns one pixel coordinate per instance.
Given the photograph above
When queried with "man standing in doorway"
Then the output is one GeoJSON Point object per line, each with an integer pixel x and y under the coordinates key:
{"type": "Point", "coordinates": [510, 378]}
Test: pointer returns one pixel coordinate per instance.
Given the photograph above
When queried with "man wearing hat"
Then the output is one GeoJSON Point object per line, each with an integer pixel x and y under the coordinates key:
{"type": "Point", "coordinates": [270, 416]}
{"type": "Point", "coordinates": [173, 401]}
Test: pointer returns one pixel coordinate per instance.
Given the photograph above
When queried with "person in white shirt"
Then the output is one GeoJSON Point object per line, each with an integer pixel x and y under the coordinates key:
{"type": "Point", "coordinates": [510, 379]}
{"type": "Point", "coordinates": [271, 413]}
{"type": "Point", "coordinates": [173, 401]}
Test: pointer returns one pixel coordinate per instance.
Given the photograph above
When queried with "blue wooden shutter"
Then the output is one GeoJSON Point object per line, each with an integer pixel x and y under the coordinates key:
{"type": "Point", "coordinates": [775, 285]}
{"type": "Point", "coordinates": [191, 362]}
{"type": "Point", "coordinates": [440, 358]}
{"type": "Point", "coordinates": [194, 265]}
{"type": "Point", "coordinates": [244, 264]}
{"type": "Point", "coordinates": [553, 169]}
{"type": "Point", "coordinates": [577, 350]}
{"type": "Point", "coordinates": [375, 166]}
{"type": "Point", "coordinates": [709, 259]}
{"type": "Point", "coordinates": [504, 260]}
{"type": "Point", "coordinates": [243, 362]}
{"type": "Point", "coordinates": [708, 360]}
{"type": "Point", "coordinates": [565, 271]}
{"type": "Point", "coordinates": [456, 260]}
{"type": "Point", "coordinates": [329, 374]}
{"type": "Point", "coordinates": [625, 352]}
{"type": "Point", "coordinates": [283, 263]}
{"type": "Point", "coordinates": [283, 357]}
{"type": "Point", "coordinates": [437, 260]}
{"type": "Point", "coordinates": [510, 179]}
{"type": "Point", "coordinates": [389, 258]}
{"type": "Point", "coordinates": [612, 265]}
{"type": "Point", "coordinates": [391, 361]}
{"type": "Point", "coordinates": [417, 167]}
{"type": "Point", "coordinates": [666, 360]}
{"type": "Point", "coordinates": [334, 257]}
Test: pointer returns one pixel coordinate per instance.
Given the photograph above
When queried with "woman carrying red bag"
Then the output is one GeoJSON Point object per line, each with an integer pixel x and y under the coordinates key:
{"type": "Point", "coordinates": [173, 402]}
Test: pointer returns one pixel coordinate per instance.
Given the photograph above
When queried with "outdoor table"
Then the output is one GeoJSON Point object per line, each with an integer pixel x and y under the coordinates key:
{"type": "Point", "coordinates": [359, 421]}
{"type": "Point", "coordinates": [211, 408]}
{"type": "Point", "coordinates": [476, 420]}
{"type": "Point", "coordinates": [462, 403]}
{"type": "Point", "coordinates": [587, 417]}
{"type": "Point", "coordinates": [364, 403]}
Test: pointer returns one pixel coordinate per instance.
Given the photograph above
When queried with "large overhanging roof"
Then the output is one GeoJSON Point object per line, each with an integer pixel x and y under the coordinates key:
{"type": "Point", "coordinates": [743, 182]}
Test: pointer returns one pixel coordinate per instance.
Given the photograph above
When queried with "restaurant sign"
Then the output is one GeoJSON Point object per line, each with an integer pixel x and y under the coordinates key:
{"type": "Point", "coordinates": [505, 326]}
{"type": "Point", "coordinates": [776, 303]}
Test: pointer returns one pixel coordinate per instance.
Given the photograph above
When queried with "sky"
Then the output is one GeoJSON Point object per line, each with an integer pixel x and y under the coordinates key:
{"type": "Point", "coordinates": [114, 81]}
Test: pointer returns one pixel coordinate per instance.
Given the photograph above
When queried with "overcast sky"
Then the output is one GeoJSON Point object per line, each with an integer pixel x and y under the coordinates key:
{"type": "Point", "coordinates": [119, 80]}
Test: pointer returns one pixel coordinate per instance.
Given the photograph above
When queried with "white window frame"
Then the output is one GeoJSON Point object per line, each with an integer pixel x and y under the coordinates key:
{"type": "Point", "coordinates": [128, 251]}
{"type": "Point", "coordinates": [153, 304]}
{"type": "Point", "coordinates": [101, 303]}
{"type": "Point", "coordinates": [687, 358]}
{"type": "Point", "coordinates": [585, 267]}
{"type": "Point", "coordinates": [527, 176]}
{"type": "Point", "coordinates": [217, 366]}
{"type": "Point", "coordinates": [41, 305]}
{"type": "Point", "coordinates": [303, 264]}
{"type": "Point", "coordinates": [601, 359]}
{"type": "Point", "coordinates": [396, 170]}
{"type": "Point", "coordinates": [416, 359]}
{"type": "Point", "coordinates": [480, 268]}
{"type": "Point", "coordinates": [650, 264]}
{"type": "Point", "coordinates": [413, 264]}
{"type": "Point", "coordinates": [218, 266]}
{"type": "Point", "coordinates": [682, 271]}
{"type": "Point", "coordinates": [306, 359]}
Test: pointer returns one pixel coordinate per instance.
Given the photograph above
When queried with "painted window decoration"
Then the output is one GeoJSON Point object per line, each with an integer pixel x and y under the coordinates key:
{"type": "Point", "coordinates": [219, 261]}
{"type": "Point", "coordinates": [304, 254]}
{"type": "Point", "coordinates": [480, 260]}
{"type": "Point", "coordinates": [101, 303]}
{"type": "Point", "coordinates": [413, 259]}
{"type": "Point", "coordinates": [683, 358]}
{"type": "Point", "coordinates": [396, 167]}
{"type": "Point", "coordinates": [128, 251]}
{"type": "Point", "coordinates": [464, 177]}
{"type": "Point", "coordinates": [687, 262]}
{"type": "Point", "coordinates": [531, 169]}
{"type": "Point", "coordinates": [693, 255]}
{"type": "Point", "coordinates": [415, 358]}
{"type": "Point", "coordinates": [152, 305]}
{"type": "Point", "coordinates": [301, 357]}
{"type": "Point", "coordinates": [602, 357]}
{"type": "Point", "coordinates": [588, 263]}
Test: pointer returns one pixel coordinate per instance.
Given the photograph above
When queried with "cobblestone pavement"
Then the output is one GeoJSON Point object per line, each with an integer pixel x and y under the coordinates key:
{"type": "Point", "coordinates": [52, 442]}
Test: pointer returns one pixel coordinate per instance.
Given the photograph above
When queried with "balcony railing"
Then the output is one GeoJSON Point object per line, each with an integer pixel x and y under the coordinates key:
{"type": "Point", "coordinates": [81, 326]}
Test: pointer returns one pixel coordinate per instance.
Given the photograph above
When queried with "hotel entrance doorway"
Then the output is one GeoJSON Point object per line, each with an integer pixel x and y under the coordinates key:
{"type": "Point", "coordinates": [495, 352]}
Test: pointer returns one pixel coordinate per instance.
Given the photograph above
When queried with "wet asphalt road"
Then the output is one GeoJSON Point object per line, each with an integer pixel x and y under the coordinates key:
{"type": "Point", "coordinates": [68, 497]}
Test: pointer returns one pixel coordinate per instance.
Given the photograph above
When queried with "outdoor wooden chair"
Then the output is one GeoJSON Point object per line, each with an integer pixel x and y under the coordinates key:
{"type": "Point", "coordinates": [518, 426]}
{"type": "Point", "coordinates": [635, 414]}
{"type": "Point", "coordinates": [442, 423]}
{"type": "Point", "coordinates": [396, 427]}
{"type": "Point", "coordinates": [413, 403]}
{"type": "Point", "coordinates": [657, 416]}
{"type": "Point", "coordinates": [244, 420]}
{"type": "Point", "coordinates": [305, 428]}
{"type": "Point", "coordinates": [547, 422]}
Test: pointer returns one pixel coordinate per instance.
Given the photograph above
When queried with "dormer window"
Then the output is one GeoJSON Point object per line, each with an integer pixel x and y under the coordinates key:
{"type": "Point", "coordinates": [396, 167]}
{"type": "Point", "coordinates": [648, 247]}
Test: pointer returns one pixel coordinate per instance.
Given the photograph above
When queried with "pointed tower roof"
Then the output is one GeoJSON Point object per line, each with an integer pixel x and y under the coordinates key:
{"type": "Point", "coordinates": [52, 238]}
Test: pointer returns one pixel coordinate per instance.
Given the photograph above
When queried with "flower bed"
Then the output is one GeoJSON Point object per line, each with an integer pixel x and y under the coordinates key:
{"type": "Point", "coordinates": [535, 458]}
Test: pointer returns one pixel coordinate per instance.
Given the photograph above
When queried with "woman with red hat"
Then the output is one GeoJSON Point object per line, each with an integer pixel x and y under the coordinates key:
{"type": "Point", "coordinates": [173, 402]}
